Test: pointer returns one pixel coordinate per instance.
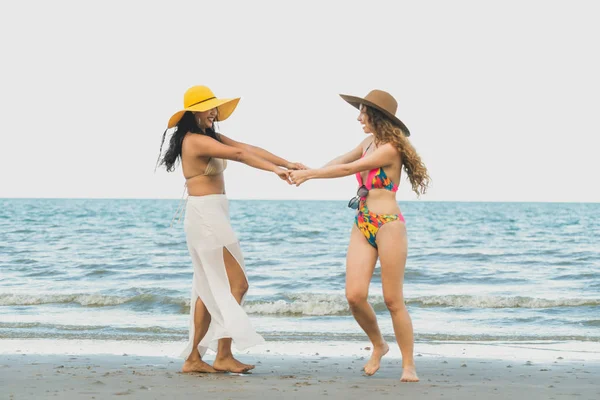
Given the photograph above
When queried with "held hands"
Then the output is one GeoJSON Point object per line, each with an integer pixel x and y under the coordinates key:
{"type": "Point", "coordinates": [300, 176]}
{"type": "Point", "coordinates": [292, 167]}
{"type": "Point", "coordinates": [284, 174]}
{"type": "Point", "coordinates": [296, 166]}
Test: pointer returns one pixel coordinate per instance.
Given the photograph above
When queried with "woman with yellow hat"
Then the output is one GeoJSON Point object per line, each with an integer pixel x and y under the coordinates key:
{"type": "Point", "coordinates": [379, 230]}
{"type": "Point", "coordinates": [219, 281]}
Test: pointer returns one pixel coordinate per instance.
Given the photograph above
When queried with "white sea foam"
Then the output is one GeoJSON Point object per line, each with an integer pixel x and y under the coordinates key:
{"type": "Point", "coordinates": [302, 304]}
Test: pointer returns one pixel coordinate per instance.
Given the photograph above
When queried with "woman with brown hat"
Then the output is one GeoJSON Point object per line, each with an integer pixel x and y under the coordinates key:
{"type": "Point", "coordinates": [379, 230]}
{"type": "Point", "coordinates": [219, 280]}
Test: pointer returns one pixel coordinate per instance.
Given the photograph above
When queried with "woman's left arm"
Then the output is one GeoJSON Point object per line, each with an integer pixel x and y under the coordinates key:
{"type": "Point", "coordinates": [382, 157]}
{"type": "Point", "coordinates": [262, 153]}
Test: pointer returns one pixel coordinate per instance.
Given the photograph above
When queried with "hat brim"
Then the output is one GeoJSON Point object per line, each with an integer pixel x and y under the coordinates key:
{"type": "Point", "coordinates": [357, 101]}
{"type": "Point", "coordinates": [224, 106]}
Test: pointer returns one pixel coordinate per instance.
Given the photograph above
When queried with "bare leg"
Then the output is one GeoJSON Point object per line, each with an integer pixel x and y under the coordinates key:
{"type": "Point", "coordinates": [194, 362]}
{"type": "Point", "coordinates": [224, 360]}
{"type": "Point", "coordinates": [360, 263]}
{"type": "Point", "coordinates": [392, 245]}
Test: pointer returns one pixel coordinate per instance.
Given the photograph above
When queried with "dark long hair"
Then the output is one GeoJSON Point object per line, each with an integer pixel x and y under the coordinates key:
{"type": "Point", "coordinates": [187, 124]}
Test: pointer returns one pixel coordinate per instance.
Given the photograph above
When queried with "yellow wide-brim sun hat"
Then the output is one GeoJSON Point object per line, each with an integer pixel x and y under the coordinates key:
{"type": "Point", "coordinates": [201, 98]}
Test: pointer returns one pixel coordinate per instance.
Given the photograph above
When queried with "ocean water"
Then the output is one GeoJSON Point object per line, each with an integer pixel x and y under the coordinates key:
{"type": "Point", "coordinates": [476, 272]}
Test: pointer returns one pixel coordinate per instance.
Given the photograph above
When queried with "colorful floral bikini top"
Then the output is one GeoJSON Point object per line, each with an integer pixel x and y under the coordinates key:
{"type": "Point", "coordinates": [377, 179]}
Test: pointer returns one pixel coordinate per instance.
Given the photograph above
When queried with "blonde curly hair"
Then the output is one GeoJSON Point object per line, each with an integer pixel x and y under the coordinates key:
{"type": "Point", "coordinates": [386, 132]}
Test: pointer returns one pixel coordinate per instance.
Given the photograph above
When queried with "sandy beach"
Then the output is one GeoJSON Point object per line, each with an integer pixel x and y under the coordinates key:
{"type": "Point", "coordinates": [26, 376]}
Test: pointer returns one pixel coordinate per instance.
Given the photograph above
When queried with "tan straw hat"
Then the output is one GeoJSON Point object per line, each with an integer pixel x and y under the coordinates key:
{"type": "Point", "coordinates": [382, 101]}
{"type": "Point", "coordinates": [201, 98]}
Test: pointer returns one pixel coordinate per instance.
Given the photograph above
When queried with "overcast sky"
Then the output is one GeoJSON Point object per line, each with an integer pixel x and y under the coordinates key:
{"type": "Point", "coordinates": [502, 98]}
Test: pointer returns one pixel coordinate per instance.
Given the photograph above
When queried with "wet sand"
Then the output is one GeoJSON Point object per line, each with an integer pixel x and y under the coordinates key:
{"type": "Point", "coordinates": [26, 376]}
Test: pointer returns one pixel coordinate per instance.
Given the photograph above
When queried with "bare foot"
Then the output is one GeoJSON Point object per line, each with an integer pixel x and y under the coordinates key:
{"type": "Point", "coordinates": [373, 364]}
{"type": "Point", "coordinates": [409, 374]}
{"type": "Point", "coordinates": [197, 366]}
{"type": "Point", "coordinates": [230, 364]}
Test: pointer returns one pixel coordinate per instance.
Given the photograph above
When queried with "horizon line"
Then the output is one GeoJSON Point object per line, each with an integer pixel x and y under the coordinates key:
{"type": "Point", "coordinates": [324, 199]}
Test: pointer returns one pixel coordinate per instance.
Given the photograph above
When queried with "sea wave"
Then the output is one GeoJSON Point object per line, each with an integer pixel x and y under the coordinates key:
{"type": "Point", "coordinates": [309, 304]}
{"type": "Point", "coordinates": [90, 300]}
{"type": "Point", "coordinates": [501, 302]}
{"type": "Point", "coordinates": [320, 304]}
{"type": "Point", "coordinates": [24, 330]}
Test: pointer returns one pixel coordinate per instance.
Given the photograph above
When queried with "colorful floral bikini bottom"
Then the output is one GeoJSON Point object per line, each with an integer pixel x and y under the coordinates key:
{"type": "Point", "coordinates": [369, 223]}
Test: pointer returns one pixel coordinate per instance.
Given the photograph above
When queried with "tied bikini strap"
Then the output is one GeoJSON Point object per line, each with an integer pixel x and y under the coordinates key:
{"type": "Point", "coordinates": [180, 210]}
{"type": "Point", "coordinates": [368, 147]}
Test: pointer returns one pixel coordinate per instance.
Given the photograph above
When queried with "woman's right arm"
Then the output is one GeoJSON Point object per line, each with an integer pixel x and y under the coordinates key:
{"type": "Point", "coordinates": [206, 146]}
